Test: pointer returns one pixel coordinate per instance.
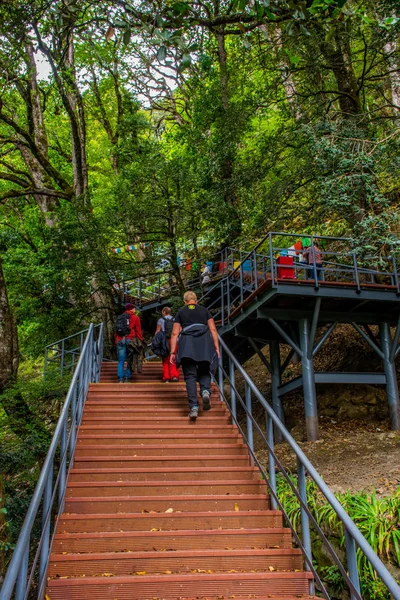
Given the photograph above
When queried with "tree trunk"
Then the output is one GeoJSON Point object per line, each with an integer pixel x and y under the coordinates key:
{"type": "Point", "coordinates": [286, 77]}
{"type": "Point", "coordinates": [390, 53]}
{"type": "Point", "coordinates": [37, 129]}
{"type": "Point", "coordinates": [223, 69]}
{"type": "Point", "coordinates": [338, 57]}
{"type": "Point", "coordinates": [3, 531]}
{"type": "Point", "coordinates": [8, 337]}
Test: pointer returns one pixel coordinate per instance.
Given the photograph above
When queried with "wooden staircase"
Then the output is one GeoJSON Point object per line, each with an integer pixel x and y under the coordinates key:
{"type": "Point", "coordinates": [158, 508]}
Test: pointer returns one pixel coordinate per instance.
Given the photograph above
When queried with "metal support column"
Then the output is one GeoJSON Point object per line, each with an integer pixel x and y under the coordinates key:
{"type": "Point", "coordinates": [310, 396]}
{"type": "Point", "coordinates": [276, 381]}
{"type": "Point", "coordinates": [392, 389]}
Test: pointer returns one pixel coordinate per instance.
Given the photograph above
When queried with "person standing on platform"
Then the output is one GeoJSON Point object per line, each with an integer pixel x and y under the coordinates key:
{"type": "Point", "coordinates": [316, 272]}
{"type": "Point", "coordinates": [127, 328]}
{"type": "Point", "coordinates": [166, 323]}
{"type": "Point", "coordinates": [198, 350]}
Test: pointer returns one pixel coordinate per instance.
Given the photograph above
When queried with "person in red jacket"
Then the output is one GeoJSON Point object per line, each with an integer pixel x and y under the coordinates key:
{"type": "Point", "coordinates": [125, 347]}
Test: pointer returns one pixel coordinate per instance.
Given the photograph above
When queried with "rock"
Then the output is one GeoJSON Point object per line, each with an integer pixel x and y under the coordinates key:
{"type": "Point", "coordinates": [299, 432]}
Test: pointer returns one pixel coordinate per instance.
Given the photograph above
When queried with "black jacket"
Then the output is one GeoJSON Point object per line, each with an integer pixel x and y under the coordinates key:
{"type": "Point", "coordinates": [195, 342]}
{"type": "Point", "coordinates": [159, 345]}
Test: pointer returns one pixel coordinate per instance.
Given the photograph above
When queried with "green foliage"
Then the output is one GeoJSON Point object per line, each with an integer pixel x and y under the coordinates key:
{"type": "Point", "coordinates": [377, 518]}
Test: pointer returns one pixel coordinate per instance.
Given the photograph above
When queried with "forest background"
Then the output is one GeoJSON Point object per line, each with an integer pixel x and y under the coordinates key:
{"type": "Point", "coordinates": [178, 124]}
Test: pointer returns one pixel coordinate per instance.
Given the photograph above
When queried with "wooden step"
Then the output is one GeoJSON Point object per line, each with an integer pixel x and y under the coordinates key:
{"type": "Point", "coordinates": [173, 587]}
{"type": "Point", "coordinates": [162, 503]}
{"type": "Point", "coordinates": [178, 561]}
{"type": "Point", "coordinates": [144, 541]}
{"type": "Point", "coordinates": [129, 461]}
{"type": "Point", "coordinates": [183, 450]}
{"type": "Point", "coordinates": [149, 412]}
{"type": "Point", "coordinates": [118, 439]}
{"type": "Point", "coordinates": [207, 419]}
{"type": "Point", "coordinates": [166, 488]}
{"type": "Point", "coordinates": [80, 523]}
{"type": "Point", "coordinates": [166, 474]}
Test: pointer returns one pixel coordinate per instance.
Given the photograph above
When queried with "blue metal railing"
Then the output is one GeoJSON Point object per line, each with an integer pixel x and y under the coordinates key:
{"type": "Point", "coordinates": [64, 354]}
{"type": "Point", "coordinates": [28, 565]}
{"type": "Point", "coordinates": [354, 540]}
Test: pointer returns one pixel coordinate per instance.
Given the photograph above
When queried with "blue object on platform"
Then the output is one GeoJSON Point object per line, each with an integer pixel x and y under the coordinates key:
{"type": "Point", "coordinates": [247, 265]}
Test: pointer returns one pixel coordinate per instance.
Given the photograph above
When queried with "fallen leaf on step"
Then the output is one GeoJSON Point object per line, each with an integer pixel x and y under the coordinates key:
{"type": "Point", "coordinates": [236, 507]}
{"type": "Point", "coordinates": [169, 510]}
{"type": "Point", "coordinates": [107, 574]}
{"type": "Point", "coordinates": [141, 573]}
{"type": "Point", "coordinates": [155, 529]}
{"type": "Point", "coordinates": [271, 569]}
{"type": "Point", "coordinates": [47, 597]}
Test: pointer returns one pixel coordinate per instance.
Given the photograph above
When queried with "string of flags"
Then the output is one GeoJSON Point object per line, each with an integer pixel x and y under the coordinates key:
{"type": "Point", "coordinates": [130, 248]}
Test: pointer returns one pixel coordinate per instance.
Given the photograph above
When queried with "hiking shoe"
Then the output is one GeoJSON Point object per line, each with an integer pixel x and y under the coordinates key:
{"type": "Point", "coordinates": [166, 380]}
{"type": "Point", "coordinates": [127, 379]}
{"type": "Point", "coordinates": [194, 413]}
{"type": "Point", "coordinates": [206, 400]}
{"type": "Point", "coordinates": [121, 380]}
{"type": "Point", "coordinates": [175, 379]}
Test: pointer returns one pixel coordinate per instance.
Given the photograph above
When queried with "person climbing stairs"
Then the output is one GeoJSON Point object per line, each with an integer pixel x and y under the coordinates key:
{"type": "Point", "coordinates": [158, 508]}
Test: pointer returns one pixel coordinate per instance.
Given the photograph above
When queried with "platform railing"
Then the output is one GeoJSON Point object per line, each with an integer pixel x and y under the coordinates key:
{"type": "Point", "coordinates": [26, 574]}
{"type": "Point", "coordinates": [355, 543]}
{"type": "Point", "coordinates": [246, 271]}
{"type": "Point", "coordinates": [63, 354]}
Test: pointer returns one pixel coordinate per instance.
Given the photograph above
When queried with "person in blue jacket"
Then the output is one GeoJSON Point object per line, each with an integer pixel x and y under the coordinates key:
{"type": "Point", "coordinates": [198, 350]}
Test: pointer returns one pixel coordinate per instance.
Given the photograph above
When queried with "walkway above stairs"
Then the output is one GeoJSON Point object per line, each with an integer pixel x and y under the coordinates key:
{"type": "Point", "coordinates": [158, 508]}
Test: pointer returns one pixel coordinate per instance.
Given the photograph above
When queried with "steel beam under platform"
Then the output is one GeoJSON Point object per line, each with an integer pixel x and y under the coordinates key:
{"type": "Point", "coordinates": [291, 313]}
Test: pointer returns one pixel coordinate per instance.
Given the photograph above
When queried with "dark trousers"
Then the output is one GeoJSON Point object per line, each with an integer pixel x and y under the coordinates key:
{"type": "Point", "coordinates": [196, 372]}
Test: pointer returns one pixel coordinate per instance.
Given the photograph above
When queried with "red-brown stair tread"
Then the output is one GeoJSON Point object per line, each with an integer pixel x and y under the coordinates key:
{"type": "Point", "coordinates": [159, 508]}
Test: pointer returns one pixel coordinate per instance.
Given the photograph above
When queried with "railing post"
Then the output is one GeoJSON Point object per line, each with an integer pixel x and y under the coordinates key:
{"type": "Point", "coordinates": [222, 304]}
{"type": "Point", "coordinates": [271, 460]}
{"type": "Point", "coordinates": [63, 467]}
{"type": "Point", "coordinates": [45, 363]}
{"type": "Point", "coordinates": [271, 258]}
{"type": "Point", "coordinates": [255, 270]}
{"type": "Point", "coordinates": [351, 555]}
{"type": "Point", "coordinates": [73, 416]}
{"type": "Point", "coordinates": [305, 523]}
{"type": "Point", "coordinates": [276, 381]}
{"type": "Point", "coordinates": [46, 524]}
{"type": "Point", "coordinates": [20, 588]}
{"type": "Point", "coordinates": [241, 278]}
{"type": "Point", "coordinates": [395, 274]}
{"type": "Point", "coordinates": [353, 254]}
{"type": "Point", "coordinates": [140, 292]}
{"type": "Point", "coordinates": [62, 357]}
{"type": "Point", "coordinates": [316, 284]}
{"type": "Point", "coordinates": [228, 299]}
{"type": "Point", "coordinates": [249, 421]}
{"type": "Point", "coordinates": [221, 376]}
{"type": "Point", "coordinates": [232, 382]}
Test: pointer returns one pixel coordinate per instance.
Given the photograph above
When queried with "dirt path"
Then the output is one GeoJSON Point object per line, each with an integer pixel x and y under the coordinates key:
{"type": "Point", "coordinates": [351, 456]}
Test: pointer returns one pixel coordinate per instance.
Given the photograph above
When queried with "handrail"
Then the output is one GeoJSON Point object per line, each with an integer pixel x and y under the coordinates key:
{"type": "Point", "coordinates": [353, 535]}
{"type": "Point", "coordinates": [47, 495]}
{"type": "Point", "coordinates": [64, 351]}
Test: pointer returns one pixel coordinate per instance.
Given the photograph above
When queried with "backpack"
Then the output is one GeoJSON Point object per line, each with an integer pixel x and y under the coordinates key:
{"type": "Point", "coordinates": [168, 327]}
{"type": "Point", "coordinates": [122, 325]}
